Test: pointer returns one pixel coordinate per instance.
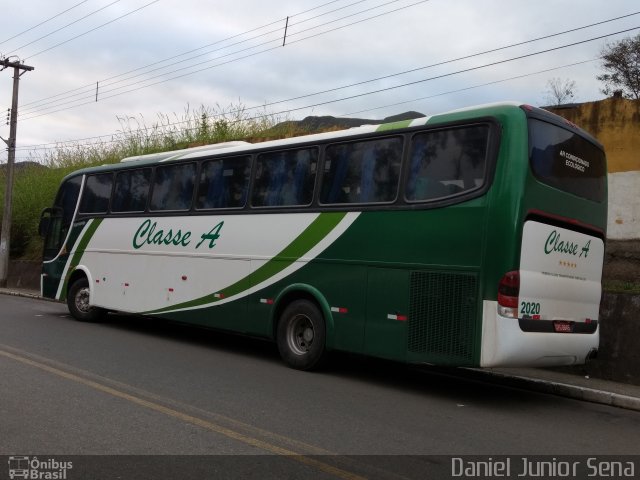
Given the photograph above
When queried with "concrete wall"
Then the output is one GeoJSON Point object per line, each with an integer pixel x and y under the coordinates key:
{"type": "Point", "coordinates": [24, 275]}
{"type": "Point", "coordinates": [624, 205]}
{"type": "Point", "coordinates": [619, 355]}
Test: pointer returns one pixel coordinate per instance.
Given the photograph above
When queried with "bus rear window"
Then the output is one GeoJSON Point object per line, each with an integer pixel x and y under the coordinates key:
{"type": "Point", "coordinates": [566, 161]}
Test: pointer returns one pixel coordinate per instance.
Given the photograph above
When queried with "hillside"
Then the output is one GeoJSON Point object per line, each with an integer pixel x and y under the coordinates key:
{"type": "Point", "coordinates": [327, 123]}
{"type": "Point", "coordinates": [18, 166]}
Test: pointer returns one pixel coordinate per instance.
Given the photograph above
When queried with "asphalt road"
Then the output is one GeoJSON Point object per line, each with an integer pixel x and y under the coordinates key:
{"type": "Point", "coordinates": [136, 386]}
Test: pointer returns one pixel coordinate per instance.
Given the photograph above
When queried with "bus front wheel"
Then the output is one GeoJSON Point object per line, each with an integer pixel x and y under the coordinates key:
{"type": "Point", "coordinates": [301, 335]}
{"type": "Point", "coordinates": [78, 302]}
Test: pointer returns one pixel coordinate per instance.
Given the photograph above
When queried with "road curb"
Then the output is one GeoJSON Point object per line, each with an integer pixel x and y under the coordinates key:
{"type": "Point", "coordinates": [15, 293]}
{"type": "Point", "coordinates": [561, 389]}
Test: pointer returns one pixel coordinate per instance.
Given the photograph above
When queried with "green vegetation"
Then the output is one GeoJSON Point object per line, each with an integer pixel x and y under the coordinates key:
{"type": "Point", "coordinates": [34, 188]}
{"type": "Point", "coordinates": [620, 286]}
{"type": "Point", "coordinates": [621, 63]}
{"type": "Point", "coordinates": [36, 182]}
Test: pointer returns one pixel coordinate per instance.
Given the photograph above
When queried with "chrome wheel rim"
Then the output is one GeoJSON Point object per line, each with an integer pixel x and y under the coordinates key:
{"type": "Point", "coordinates": [82, 300]}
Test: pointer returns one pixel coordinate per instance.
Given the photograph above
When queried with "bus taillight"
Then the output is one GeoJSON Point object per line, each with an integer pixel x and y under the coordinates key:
{"type": "Point", "coordinates": [508, 290]}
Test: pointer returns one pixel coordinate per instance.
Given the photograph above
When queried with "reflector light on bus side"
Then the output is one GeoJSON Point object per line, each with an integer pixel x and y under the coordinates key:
{"type": "Point", "coordinates": [508, 291]}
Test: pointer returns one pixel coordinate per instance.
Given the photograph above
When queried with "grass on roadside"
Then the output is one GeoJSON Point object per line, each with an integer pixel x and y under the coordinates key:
{"type": "Point", "coordinates": [621, 286]}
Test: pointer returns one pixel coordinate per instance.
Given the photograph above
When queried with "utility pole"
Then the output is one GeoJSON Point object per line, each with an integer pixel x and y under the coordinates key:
{"type": "Point", "coordinates": [5, 234]}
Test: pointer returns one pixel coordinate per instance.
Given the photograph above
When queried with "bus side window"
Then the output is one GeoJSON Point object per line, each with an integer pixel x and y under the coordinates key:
{"type": "Point", "coordinates": [131, 191]}
{"type": "Point", "coordinates": [224, 183]}
{"type": "Point", "coordinates": [97, 193]}
{"type": "Point", "coordinates": [173, 187]}
{"type": "Point", "coordinates": [285, 178]}
{"type": "Point", "coordinates": [447, 162]}
{"type": "Point", "coordinates": [362, 172]}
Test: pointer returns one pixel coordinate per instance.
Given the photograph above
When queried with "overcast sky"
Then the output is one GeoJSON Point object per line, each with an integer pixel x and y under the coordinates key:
{"type": "Point", "coordinates": [236, 56]}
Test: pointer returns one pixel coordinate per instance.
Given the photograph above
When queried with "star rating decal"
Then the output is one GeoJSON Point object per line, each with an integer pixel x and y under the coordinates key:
{"type": "Point", "coordinates": [562, 263]}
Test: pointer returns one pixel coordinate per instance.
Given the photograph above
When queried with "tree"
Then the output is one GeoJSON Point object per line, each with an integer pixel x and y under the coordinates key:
{"type": "Point", "coordinates": [559, 91]}
{"type": "Point", "coordinates": [621, 63]}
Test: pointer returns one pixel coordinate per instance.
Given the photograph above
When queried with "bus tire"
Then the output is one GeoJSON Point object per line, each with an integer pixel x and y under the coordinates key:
{"type": "Point", "coordinates": [78, 302]}
{"type": "Point", "coordinates": [301, 335]}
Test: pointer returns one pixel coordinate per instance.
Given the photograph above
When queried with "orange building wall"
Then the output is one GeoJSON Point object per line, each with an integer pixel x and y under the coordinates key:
{"type": "Point", "coordinates": [615, 122]}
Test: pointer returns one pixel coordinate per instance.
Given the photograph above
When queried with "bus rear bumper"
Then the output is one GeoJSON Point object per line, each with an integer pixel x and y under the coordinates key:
{"type": "Point", "coordinates": [504, 344]}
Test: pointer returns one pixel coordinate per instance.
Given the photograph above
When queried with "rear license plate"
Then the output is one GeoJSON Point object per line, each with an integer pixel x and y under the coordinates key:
{"type": "Point", "coordinates": [563, 327]}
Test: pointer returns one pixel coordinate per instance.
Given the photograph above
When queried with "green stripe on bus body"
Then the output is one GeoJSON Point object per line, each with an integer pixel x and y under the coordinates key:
{"type": "Point", "coordinates": [79, 251]}
{"type": "Point", "coordinates": [394, 125]}
{"type": "Point", "coordinates": [309, 238]}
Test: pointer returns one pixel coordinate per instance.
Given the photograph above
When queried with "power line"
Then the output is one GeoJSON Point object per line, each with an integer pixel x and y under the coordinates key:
{"type": "Point", "coordinates": [94, 29]}
{"type": "Point", "coordinates": [470, 69]}
{"type": "Point", "coordinates": [62, 102]}
{"type": "Point", "coordinates": [92, 85]}
{"type": "Point", "coordinates": [325, 13]}
{"type": "Point", "coordinates": [76, 142]}
{"type": "Point", "coordinates": [315, 8]}
{"type": "Point", "coordinates": [445, 62]}
{"type": "Point", "coordinates": [133, 84]}
{"type": "Point", "coordinates": [413, 100]}
{"type": "Point", "coordinates": [65, 26]}
{"type": "Point", "coordinates": [43, 22]}
{"type": "Point", "coordinates": [449, 92]}
{"type": "Point", "coordinates": [445, 75]}
{"type": "Point", "coordinates": [448, 61]}
{"type": "Point", "coordinates": [105, 83]}
{"type": "Point", "coordinates": [36, 110]}
{"type": "Point", "coordinates": [257, 117]}
{"type": "Point", "coordinates": [357, 83]}
{"type": "Point", "coordinates": [466, 70]}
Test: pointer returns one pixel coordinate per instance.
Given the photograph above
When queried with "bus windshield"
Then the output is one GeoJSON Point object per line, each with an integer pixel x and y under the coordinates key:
{"type": "Point", "coordinates": [567, 161]}
{"type": "Point", "coordinates": [60, 222]}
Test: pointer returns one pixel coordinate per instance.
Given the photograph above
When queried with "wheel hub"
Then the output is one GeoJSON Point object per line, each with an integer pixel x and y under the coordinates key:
{"type": "Point", "coordinates": [308, 334]}
{"type": "Point", "coordinates": [300, 335]}
{"type": "Point", "coordinates": [82, 300]}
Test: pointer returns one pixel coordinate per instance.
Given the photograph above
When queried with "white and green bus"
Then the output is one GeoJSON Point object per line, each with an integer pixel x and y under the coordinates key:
{"type": "Point", "coordinates": [470, 238]}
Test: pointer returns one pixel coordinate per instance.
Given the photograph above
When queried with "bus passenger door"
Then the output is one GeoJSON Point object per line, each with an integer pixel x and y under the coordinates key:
{"type": "Point", "coordinates": [387, 313]}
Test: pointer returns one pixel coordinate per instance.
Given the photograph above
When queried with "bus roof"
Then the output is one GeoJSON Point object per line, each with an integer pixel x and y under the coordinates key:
{"type": "Point", "coordinates": [164, 156]}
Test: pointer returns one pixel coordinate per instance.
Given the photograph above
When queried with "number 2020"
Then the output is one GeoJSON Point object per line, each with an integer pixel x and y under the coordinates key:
{"type": "Point", "coordinates": [529, 308]}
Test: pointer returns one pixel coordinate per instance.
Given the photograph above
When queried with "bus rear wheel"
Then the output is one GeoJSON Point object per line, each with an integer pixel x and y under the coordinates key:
{"type": "Point", "coordinates": [301, 335]}
{"type": "Point", "coordinates": [78, 302]}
